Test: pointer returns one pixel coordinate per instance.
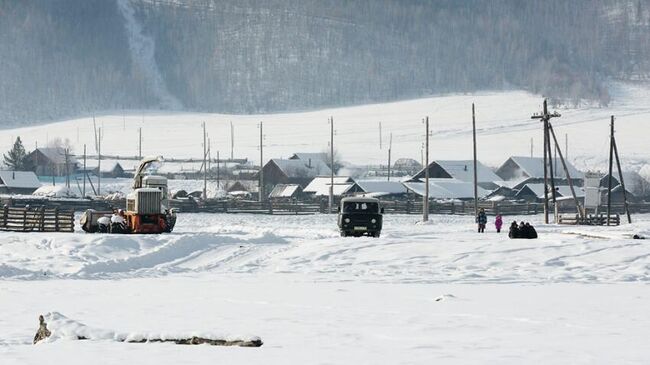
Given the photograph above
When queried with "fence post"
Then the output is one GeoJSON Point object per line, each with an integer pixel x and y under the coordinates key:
{"type": "Point", "coordinates": [42, 222]}
{"type": "Point", "coordinates": [56, 219]}
{"type": "Point", "coordinates": [5, 213]}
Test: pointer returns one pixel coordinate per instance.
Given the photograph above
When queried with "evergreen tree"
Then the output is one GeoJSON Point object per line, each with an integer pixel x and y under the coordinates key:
{"type": "Point", "coordinates": [15, 158]}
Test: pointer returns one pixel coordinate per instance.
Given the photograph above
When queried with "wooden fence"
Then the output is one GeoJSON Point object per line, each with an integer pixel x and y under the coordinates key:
{"type": "Point", "coordinates": [590, 220]}
{"type": "Point", "coordinates": [38, 219]}
{"type": "Point", "coordinates": [306, 207]}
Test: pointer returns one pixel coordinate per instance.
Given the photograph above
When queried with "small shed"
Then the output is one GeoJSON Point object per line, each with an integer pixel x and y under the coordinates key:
{"type": "Point", "coordinates": [18, 182]}
{"type": "Point", "coordinates": [343, 185]}
{"type": "Point", "coordinates": [286, 192]}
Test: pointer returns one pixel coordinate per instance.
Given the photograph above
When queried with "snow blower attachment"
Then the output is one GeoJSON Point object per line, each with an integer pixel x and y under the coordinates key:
{"type": "Point", "coordinates": [147, 207]}
{"type": "Point", "coordinates": [62, 327]}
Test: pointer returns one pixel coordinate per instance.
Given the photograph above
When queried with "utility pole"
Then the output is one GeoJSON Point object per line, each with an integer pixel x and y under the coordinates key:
{"type": "Point", "coordinates": [613, 150]}
{"type": "Point", "coordinates": [140, 143]}
{"type": "Point", "coordinates": [390, 148]}
{"type": "Point", "coordinates": [218, 172]}
{"type": "Point", "coordinates": [551, 170]}
{"type": "Point", "coordinates": [99, 162]}
{"type": "Point", "coordinates": [581, 212]}
{"type": "Point", "coordinates": [611, 162]}
{"type": "Point", "coordinates": [566, 146]}
{"type": "Point", "coordinates": [261, 187]}
{"type": "Point", "coordinates": [83, 192]}
{"type": "Point", "coordinates": [205, 164]}
{"type": "Point", "coordinates": [425, 202]}
{"type": "Point", "coordinates": [67, 169]}
{"type": "Point", "coordinates": [232, 141]}
{"type": "Point", "coordinates": [475, 172]}
{"type": "Point", "coordinates": [545, 118]}
{"type": "Point", "coordinates": [331, 192]}
{"type": "Point", "coordinates": [620, 176]}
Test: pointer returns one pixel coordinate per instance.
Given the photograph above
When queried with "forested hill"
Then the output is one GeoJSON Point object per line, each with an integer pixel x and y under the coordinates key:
{"type": "Point", "coordinates": [61, 58]}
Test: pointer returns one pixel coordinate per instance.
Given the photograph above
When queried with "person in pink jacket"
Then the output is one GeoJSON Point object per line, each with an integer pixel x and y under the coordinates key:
{"type": "Point", "coordinates": [498, 222]}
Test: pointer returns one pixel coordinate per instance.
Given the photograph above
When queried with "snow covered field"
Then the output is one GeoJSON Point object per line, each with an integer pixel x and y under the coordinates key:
{"type": "Point", "coordinates": [503, 123]}
{"type": "Point", "coordinates": [418, 294]}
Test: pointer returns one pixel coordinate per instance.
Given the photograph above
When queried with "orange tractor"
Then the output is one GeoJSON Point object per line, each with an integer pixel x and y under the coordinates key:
{"type": "Point", "coordinates": [147, 207]}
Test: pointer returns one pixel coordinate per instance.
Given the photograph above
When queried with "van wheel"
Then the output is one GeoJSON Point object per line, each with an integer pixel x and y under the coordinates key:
{"type": "Point", "coordinates": [375, 234]}
{"type": "Point", "coordinates": [344, 234]}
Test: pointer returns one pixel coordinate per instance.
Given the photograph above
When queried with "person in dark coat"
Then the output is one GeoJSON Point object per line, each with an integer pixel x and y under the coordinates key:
{"type": "Point", "coordinates": [481, 219]}
{"type": "Point", "coordinates": [530, 231]}
{"type": "Point", "coordinates": [514, 230]}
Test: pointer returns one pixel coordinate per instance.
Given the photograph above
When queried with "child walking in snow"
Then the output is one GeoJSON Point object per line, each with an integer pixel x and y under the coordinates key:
{"type": "Point", "coordinates": [481, 219]}
{"type": "Point", "coordinates": [498, 222]}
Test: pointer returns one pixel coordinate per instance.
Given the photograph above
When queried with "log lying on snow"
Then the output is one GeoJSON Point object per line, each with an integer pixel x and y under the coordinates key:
{"type": "Point", "coordinates": [61, 327]}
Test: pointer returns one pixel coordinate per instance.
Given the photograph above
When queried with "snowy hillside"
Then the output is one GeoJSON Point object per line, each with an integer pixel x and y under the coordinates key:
{"type": "Point", "coordinates": [503, 123]}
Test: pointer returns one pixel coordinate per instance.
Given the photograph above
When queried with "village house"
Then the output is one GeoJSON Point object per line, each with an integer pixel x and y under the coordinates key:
{"type": "Point", "coordinates": [295, 171]}
{"type": "Point", "coordinates": [51, 161]}
{"type": "Point", "coordinates": [393, 190]}
{"type": "Point", "coordinates": [320, 186]}
{"type": "Point", "coordinates": [18, 182]}
{"type": "Point", "coordinates": [532, 169]}
{"type": "Point", "coordinates": [461, 170]}
{"type": "Point", "coordinates": [445, 189]}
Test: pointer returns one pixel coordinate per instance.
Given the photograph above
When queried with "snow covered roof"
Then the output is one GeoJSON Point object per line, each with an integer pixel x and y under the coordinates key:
{"type": "Point", "coordinates": [320, 184]}
{"type": "Point", "coordinates": [306, 156]}
{"type": "Point", "coordinates": [300, 168]}
{"type": "Point", "coordinates": [446, 189]}
{"type": "Point", "coordinates": [19, 179]}
{"type": "Point", "coordinates": [534, 167]}
{"type": "Point", "coordinates": [462, 170]}
{"type": "Point", "coordinates": [562, 190]}
{"type": "Point", "coordinates": [285, 191]}
{"type": "Point", "coordinates": [107, 165]}
{"type": "Point", "coordinates": [381, 186]}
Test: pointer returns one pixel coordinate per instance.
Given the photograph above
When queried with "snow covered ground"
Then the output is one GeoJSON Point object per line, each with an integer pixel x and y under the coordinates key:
{"type": "Point", "coordinates": [419, 294]}
{"type": "Point", "coordinates": [503, 122]}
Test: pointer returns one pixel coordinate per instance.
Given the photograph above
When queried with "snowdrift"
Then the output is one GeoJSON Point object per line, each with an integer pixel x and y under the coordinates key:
{"type": "Point", "coordinates": [55, 326]}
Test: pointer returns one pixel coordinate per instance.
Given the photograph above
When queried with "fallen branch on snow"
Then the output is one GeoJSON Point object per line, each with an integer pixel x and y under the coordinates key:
{"type": "Point", "coordinates": [62, 327]}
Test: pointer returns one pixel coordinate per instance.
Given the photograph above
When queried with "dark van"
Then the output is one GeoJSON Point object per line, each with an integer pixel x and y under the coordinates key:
{"type": "Point", "coordinates": [360, 216]}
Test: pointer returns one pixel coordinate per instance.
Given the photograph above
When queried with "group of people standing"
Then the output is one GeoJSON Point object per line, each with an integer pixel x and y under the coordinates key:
{"type": "Point", "coordinates": [523, 230]}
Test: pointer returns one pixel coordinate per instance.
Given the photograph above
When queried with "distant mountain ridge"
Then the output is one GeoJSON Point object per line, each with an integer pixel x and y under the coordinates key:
{"type": "Point", "coordinates": [63, 58]}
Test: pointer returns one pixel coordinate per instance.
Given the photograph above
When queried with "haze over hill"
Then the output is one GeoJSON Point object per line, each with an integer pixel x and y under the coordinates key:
{"type": "Point", "coordinates": [63, 58]}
